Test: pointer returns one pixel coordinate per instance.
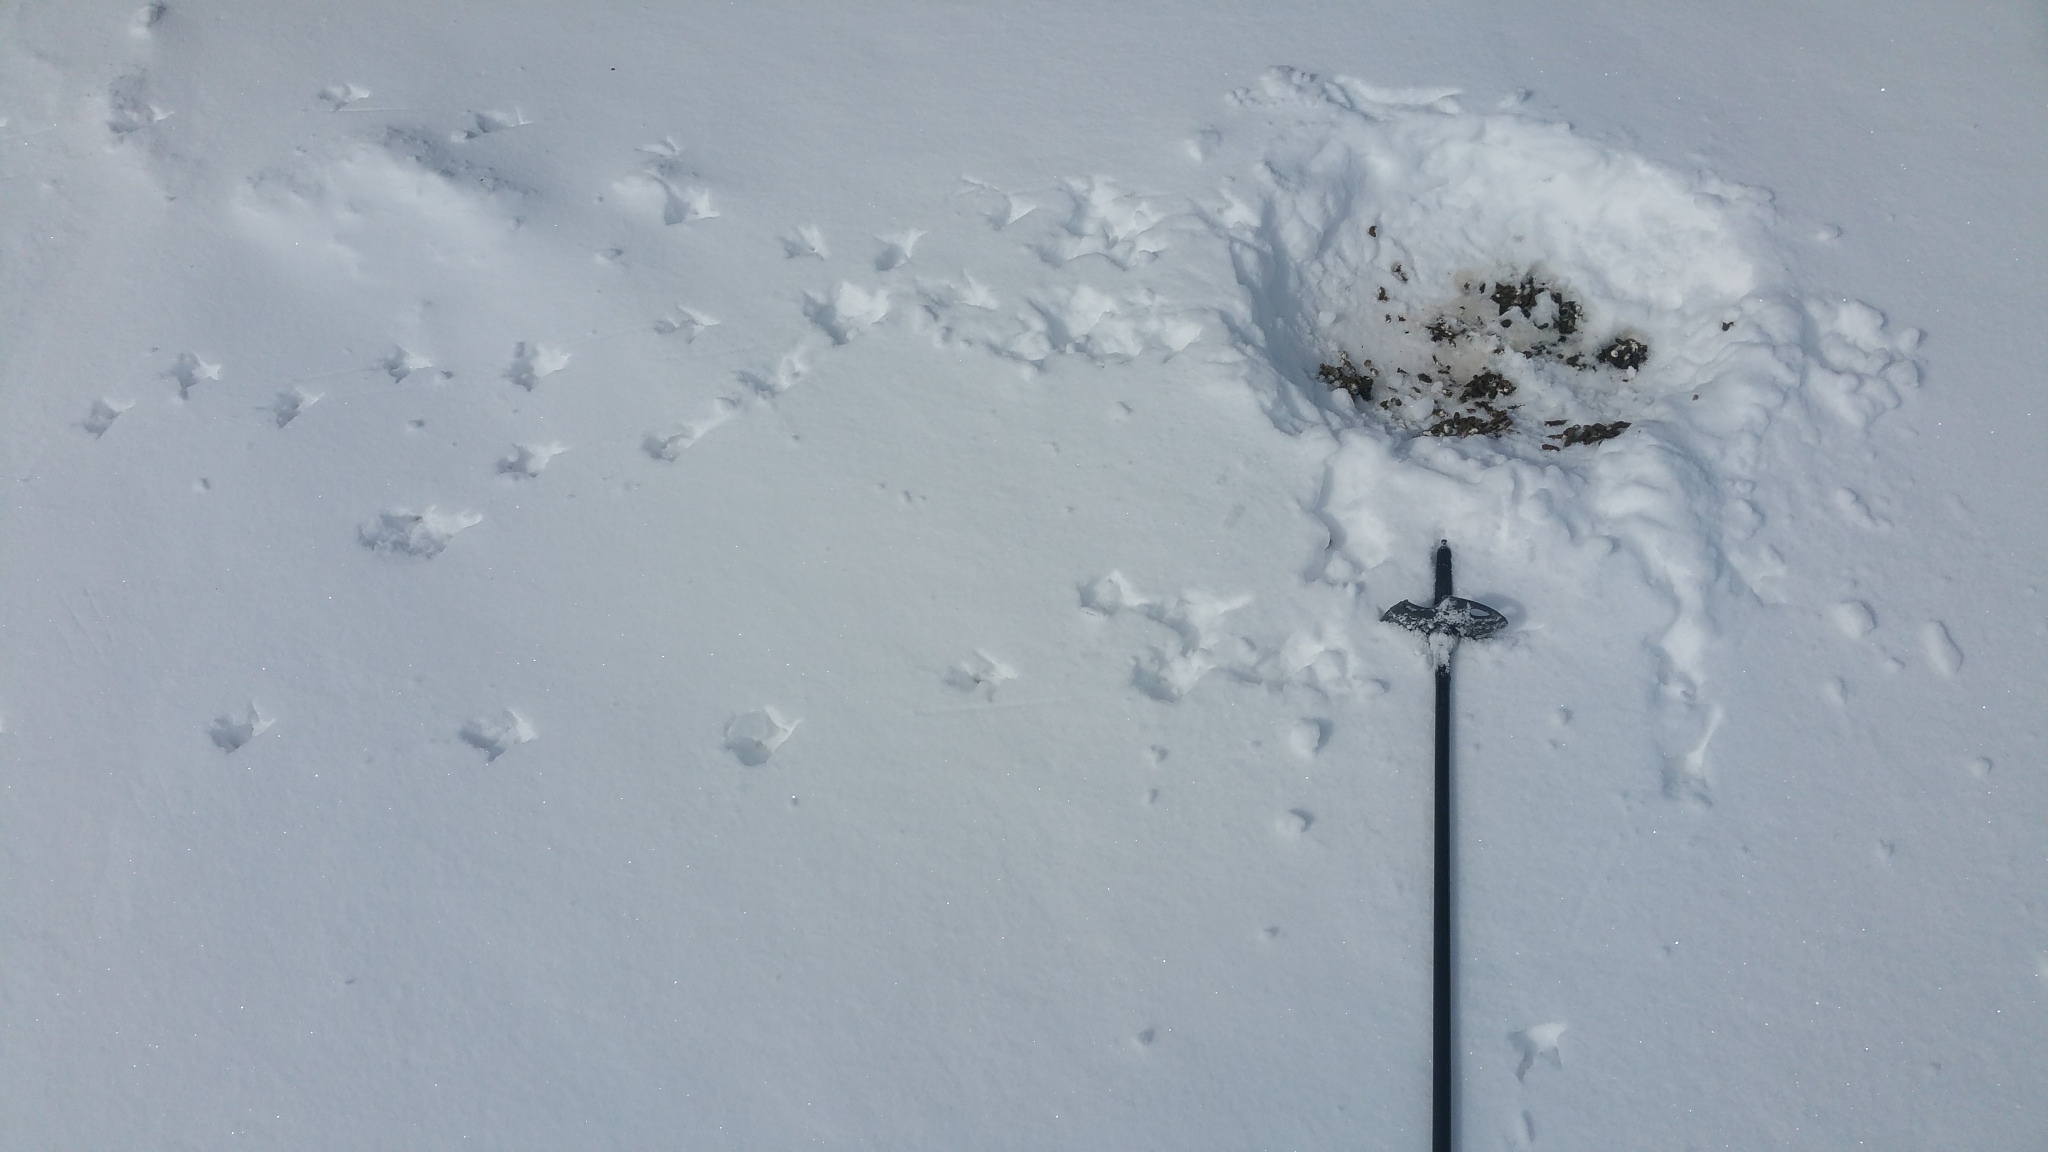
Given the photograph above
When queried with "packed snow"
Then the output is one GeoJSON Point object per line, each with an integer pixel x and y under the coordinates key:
{"type": "Point", "coordinates": [577, 576]}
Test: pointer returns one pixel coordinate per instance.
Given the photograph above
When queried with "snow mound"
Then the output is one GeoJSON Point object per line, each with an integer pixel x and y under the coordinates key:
{"type": "Point", "coordinates": [1399, 236]}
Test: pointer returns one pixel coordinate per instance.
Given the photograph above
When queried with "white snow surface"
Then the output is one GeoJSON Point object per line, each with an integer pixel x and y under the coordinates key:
{"type": "Point", "coordinates": [637, 576]}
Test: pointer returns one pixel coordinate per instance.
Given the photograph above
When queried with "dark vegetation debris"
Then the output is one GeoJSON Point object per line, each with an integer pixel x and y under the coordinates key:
{"type": "Point", "coordinates": [1531, 319]}
{"type": "Point", "coordinates": [1586, 434]}
{"type": "Point", "coordinates": [1625, 353]}
{"type": "Point", "coordinates": [1488, 385]}
{"type": "Point", "coordinates": [1343, 374]}
{"type": "Point", "coordinates": [1488, 421]}
{"type": "Point", "coordinates": [1510, 297]}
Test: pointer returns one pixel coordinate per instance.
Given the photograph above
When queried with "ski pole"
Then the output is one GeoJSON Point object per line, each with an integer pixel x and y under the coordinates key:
{"type": "Point", "coordinates": [1448, 621]}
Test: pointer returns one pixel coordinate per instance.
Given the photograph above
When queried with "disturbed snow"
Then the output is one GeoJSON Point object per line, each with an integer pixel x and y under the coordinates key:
{"type": "Point", "coordinates": [595, 636]}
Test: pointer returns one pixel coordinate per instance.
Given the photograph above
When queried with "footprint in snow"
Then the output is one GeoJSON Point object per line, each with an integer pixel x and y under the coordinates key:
{"type": "Point", "coordinates": [896, 249]}
{"type": "Point", "coordinates": [1942, 654]}
{"type": "Point", "coordinates": [143, 24]}
{"type": "Point", "coordinates": [847, 311]}
{"type": "Point", "coordinates": [339, 96]}
{"type": "Point", "coordinates": [1011, 206]}
{"type": "Point", "coordinates": [104, 413]}
{"type": "Point", "coordinates": [789, 368]}
{"type": "Point", "coordinates": [982, 675]}
{"type": "Point", "coordinates": [1685, 775]}
{"type": "Point", "coordinates": [1853, 619]}
{"type": "Point", "coordinates": [940, 297]}
{"type": "Point", "coordinates": [1307, 737]}
{"type": "Point", "coordinates": [532, 362]}
{"type": "Point", "coordinates": [685, 204]}
{"type": "Point", "coordinates": [497, 735]}
{"type": "Point", "coordinates": [189, 370]}
{"type": "Point", "coordinates": [421, 534]}
{"type": "Point", "coordinates": [402, 363]}
{"type": "Point", "coordinates": [1295, 822]}
{"type": "Point", "coordinates": [664, 177]}
{"type": "Point", "coordinates": [230, 731]}
{"type": "Point", "coordinates": [667, 448]}
{"type": "Point", "coordinates": [808, 240]}
{"type": "Point", "coordinates": [687, 323]}
{"type": "Point", "coordinates": [291, 404]}
{"type": "Point", "coordinates": [1835, 690]}
{"type": "Point", "coordinates": [1107, 222]}
{"type": "Point", "coordinates": [529, 460]}
{"type": "Point", "coordinates": [485, 123]}
{"type": "Point", "coordinates": [128, 107]}
{"type": "Point", "coordinates": [1540, 1040]}
{"type": "Point", "coordinates": [754, 736]}
{"type": "Point", "coordinates": [1855, 510]}
{"type": "Point", "coordinates": [1169, 673]}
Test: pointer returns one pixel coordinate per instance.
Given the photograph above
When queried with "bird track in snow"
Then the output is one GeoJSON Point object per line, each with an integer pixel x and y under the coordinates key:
{"type": "Point", "coordinates": [103, 414]}
{"type": "Point", "coordinates": [527, 461]}
{"type": "Point", "coordinates": [423, 535]}
{"type": "Point", "coordinates": [497, 734]}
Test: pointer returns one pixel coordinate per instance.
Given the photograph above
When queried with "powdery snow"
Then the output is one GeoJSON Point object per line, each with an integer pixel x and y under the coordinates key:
{"type": "Point", "coordinates": [731, 579]}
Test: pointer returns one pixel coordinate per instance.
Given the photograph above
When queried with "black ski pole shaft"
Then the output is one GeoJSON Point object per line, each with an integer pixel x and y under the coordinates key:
{"type": "Point", "coordinates": [1444, 1069]}
{"type": "Point", "coordinates": [1448, 620]}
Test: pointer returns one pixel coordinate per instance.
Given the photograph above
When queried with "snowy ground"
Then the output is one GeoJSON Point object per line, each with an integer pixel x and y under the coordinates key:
{"type": "Point", "coordinates": [765, 576]}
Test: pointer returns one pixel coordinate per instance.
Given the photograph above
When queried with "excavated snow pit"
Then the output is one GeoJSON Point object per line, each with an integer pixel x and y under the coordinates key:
{"type": "Point", "coordinates": [1509, 354]}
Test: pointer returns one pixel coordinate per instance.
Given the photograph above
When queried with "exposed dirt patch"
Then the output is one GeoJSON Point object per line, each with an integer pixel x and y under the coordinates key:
{"type": "Point", "coordinates": [1470, 365]}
